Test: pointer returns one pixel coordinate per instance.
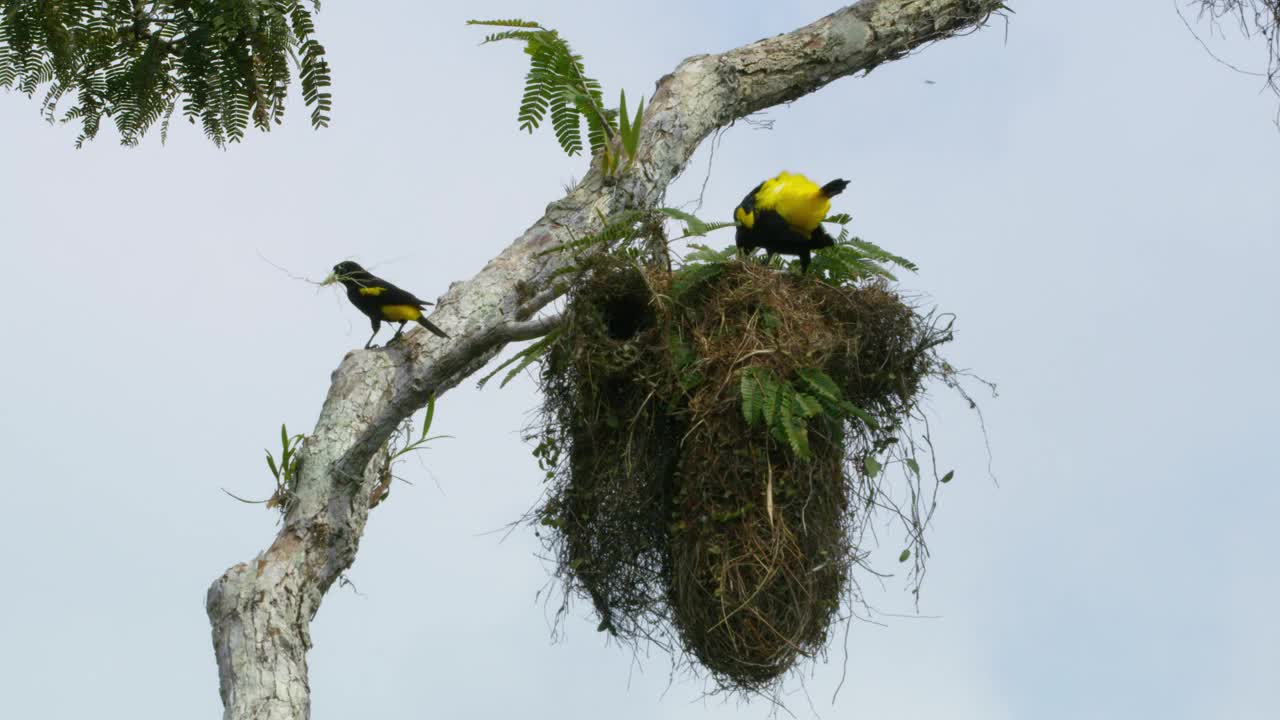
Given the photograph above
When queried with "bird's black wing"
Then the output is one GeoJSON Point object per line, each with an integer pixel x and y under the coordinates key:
{"type": "Point", "coordinates": [388, 294]}
{"type": "Point", "coordinates": [748, 203]}
{"type": "Point", "coordinates": [769, 223]}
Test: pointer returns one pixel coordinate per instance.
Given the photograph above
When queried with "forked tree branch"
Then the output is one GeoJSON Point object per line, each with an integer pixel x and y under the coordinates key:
{"type": "Point", "coordinates": [261, 610]}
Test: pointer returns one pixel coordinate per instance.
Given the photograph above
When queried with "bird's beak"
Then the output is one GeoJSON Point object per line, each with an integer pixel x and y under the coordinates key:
{"type": "Point", "coordinates": [331, 279]}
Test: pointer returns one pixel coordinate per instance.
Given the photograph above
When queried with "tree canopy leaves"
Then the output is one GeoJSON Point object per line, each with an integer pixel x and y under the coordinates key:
{"type": "Point", "coordinates": [224, 62]}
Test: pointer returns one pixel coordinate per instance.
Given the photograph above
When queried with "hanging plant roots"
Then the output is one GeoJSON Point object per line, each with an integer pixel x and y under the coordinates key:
{"type": "Point", "coordinates": [704, 484]}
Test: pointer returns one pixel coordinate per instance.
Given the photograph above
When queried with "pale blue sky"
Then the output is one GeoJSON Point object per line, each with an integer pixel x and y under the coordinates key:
{"type": "Point", "coordinates": [1092, 195]}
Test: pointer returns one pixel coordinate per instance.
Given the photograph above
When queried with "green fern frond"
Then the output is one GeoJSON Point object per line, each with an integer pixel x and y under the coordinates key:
{"type": "Point", "coordinates": [693, 225]}
{"type": "Point", "coordinates": [785, 407]}
{"type": "Point", "coordinates": [794, 428]}
{"type": "Point", "coordinates": [775, 396]}
{"type": "Point", "coordinates": [821, 384]}
{"type": "Point", "coordinates": [807, 405]}
{"type": "Point", "coordinates": [508, 23]}
{"type": "Point", "coordinates": [752, 391]}
{"type": "Point", "coordinates": [691, 277]}
{"type": "Point", "coordinates": [620, 227]}
{"type": "Point", "coordinates": [852, 259]}
{"type": "Point", "coordinates": [703, 254]}
{"type": "Point", "coordinates": [565, 121]}
{"type": "Point", "coordinates": [875, 252]}
{"type": "Point", "coordinates": [557, 85]}
{"type": "Point", "coordinates": [862, 415]}
{"type": "Point", "coordinates": [522, 359]}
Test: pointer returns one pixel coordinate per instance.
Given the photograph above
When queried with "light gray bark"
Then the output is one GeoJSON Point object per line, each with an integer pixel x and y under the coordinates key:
{"type": "Point", "coordinates": [261, 610]}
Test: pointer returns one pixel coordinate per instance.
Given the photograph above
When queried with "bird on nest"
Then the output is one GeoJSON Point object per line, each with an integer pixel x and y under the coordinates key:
{"type": "Point", "coordinates": [784, 215]}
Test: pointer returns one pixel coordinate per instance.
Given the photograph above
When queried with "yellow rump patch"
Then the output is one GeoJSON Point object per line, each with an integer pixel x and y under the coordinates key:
{"type": "Point", "coordinates": [400, 312]}
{"type": "Point", "coordinates": [796, 198]}
{"type": "Point", "coordinates": [374, 291]}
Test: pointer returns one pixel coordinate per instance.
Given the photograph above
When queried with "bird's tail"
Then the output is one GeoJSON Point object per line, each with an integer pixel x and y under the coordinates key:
{"type": "Point", "coordinates": [834, 188]}
{"type": "Point", "coordinates": [424, 323]}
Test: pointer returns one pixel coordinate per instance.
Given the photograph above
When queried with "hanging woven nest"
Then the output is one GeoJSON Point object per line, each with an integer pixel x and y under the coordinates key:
{"type": "Point", "coordinates": [705, 436]}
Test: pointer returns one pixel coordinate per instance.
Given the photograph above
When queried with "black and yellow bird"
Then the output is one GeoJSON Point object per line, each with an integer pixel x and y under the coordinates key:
{"type": "Point", "coordinates": [381, 300]}
{"type": "Point", "coordinates": [784, 215]}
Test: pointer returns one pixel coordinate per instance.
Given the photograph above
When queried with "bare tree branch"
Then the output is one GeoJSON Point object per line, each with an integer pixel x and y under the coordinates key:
{"type": "Point", "coordinates": [527, 329]}
{"type": "Point", "coordinates": [261, 610]}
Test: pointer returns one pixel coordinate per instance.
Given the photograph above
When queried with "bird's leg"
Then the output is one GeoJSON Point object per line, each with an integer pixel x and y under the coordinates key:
{"type": "Point", "coordinates": [376, 325]}
{"type": "Point", "coordinates": [804, 261]}
{"type": "Point", "coordinates": [398, 331]}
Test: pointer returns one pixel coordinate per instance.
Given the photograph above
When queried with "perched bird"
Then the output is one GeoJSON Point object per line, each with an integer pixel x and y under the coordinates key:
{"type": "Point", "coordinates": [380, 300]}
{"type": "Point", "coordinates": [784, 215]}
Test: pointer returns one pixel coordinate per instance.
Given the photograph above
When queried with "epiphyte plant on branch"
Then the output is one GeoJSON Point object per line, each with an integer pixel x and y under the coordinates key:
{"type": "Point", "coordinates": [226, 64]}
{"type": "Point", "coordinates": [284, 470]}
{"type": "Point", "coordinates": [558, 86]}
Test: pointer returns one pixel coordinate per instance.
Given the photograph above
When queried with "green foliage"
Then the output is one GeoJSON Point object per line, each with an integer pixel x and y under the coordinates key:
{"type": "Point", "coordinates": [399, 445]}
{"type": "Point", "coordinates": [852, 259]}
{"type": "Point", "coordinates": [522, 359]}
{"type": "Point", "coordinates": [785, 407]}
{"type": "Point", "coordinates": [693, 226]}
{"type": "Point", "coordinates": [701, 265]}
{"type": "Point", "coordinates": [628, 132]}
{"type": "Point", "coordinates": [226, 62]}
{"type": "Point", "coordinates": [617, 230]}
{"type": "Point", "coordinates": [284, 470]}
{"type": "Point", "coordinates": [622, 230]}
{"type": "Point", "coordinates": [557, 86]}
{"type": "Point", "coordinates": [871, 466]}
{"type": "Point", "coordinates": [548, 453]}
{"type": "Point", "coordinates": [700, 254]}
{"type": "Point", "coordinates": [423, 439]}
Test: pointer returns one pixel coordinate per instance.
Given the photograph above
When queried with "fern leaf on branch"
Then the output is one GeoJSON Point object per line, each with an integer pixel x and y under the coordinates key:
{"type": "Point", "coordinates": [557, 85]}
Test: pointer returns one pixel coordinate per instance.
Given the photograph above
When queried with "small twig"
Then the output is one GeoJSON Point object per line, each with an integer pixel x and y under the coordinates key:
{"type": "Point", "coordinates": [541, 299]}
{"type": "Point", "coordinates": [1209, 51]}
{"type": "Point", "coordinates": [711, 159]}
{"type": "Point", "coordinates": [526, 329]}
{"type": "Point", "coordinates": [264, 259]}
{"type": "Point", "coordinates": [344, 581]}
{"type": "Point", "coordinates": [768, 493]}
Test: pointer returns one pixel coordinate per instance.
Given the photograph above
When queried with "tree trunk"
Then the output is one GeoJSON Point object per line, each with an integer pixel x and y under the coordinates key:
{"type": "Point", "coordinates": [261, 610]}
